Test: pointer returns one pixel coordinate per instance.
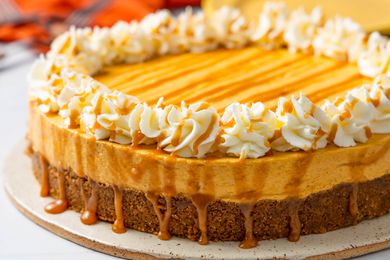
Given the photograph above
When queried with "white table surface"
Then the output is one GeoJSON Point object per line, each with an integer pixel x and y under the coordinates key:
{"type": "Point", "coordinates": [20, 238]}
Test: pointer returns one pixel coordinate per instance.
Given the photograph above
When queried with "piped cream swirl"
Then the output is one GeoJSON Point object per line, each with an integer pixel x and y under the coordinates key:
{"type": "Point", "coordinates": [190, 130]}
{"type": "Point", "coordinates": [303, 125]}
{"type": "Point", "coordinates": [271, 25]}
{"type": "Point", "coordinates": [246, 130]}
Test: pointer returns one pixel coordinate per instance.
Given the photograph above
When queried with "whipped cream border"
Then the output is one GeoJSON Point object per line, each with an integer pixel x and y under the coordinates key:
{"type": "Point", "coordinates": [61, 82]}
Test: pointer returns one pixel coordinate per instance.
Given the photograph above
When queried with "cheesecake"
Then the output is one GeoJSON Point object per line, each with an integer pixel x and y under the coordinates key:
{"type": "Point", "coordinates": [214, 128]}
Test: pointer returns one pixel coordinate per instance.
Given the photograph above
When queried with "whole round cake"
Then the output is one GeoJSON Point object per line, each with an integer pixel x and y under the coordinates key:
{"type": "Point", "coordinates": [215, 127]}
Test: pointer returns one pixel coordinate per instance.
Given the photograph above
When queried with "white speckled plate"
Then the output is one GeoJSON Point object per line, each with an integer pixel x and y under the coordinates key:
{"type": "Point", "coordinates": [23, 190]}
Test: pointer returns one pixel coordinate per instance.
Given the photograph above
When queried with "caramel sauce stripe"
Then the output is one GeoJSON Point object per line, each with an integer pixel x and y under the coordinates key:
{"type": "Point", "coordinates": [224, 76]}
{"type": "Point", "coordinates": [156, 78]}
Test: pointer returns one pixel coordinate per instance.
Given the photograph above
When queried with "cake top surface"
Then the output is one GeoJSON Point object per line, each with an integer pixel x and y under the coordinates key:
{"type": "Point", "coordinates": [66, 81]}
{"type": "Point", "coordinates": [224, 76]}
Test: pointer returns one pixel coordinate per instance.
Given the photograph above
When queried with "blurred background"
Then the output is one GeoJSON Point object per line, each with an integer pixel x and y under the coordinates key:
{"type": "Point", "coordinates": [33, 24]}
{"type": "Point", "coordinates": [26, 29]}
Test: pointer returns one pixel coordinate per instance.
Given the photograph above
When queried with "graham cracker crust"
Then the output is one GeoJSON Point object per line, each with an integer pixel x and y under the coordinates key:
{"type": "Point", "coordinates": [342, 206]}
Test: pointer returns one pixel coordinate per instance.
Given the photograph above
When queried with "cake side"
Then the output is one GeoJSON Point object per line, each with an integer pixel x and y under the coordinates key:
{"type": "Point", "coordinates": [282, 175]}
{"type": "Point", "coordinates": [318, 213]}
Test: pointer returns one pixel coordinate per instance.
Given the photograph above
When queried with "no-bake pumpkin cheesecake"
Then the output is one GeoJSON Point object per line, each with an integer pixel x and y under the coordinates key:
{"type": "Point", "coordinates": [215, 128]}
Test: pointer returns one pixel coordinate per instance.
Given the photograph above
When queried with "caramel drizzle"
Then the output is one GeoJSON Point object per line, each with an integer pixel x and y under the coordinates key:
{"type": "Point", "coordinates": [214, 90]}
{"type": "Point", "coordinates": [208, 75]}
{"type": "Point", "coordinates": [251, 197]}
{"type": "Point", "coordinates": [357, 175]}
{"type": "Point", "coordinates": [295, 223]}
{"type": "Point", "coordinates": [137, 138]}
{"type": "Point", "coordinates": [45, 184]}
{"type": "Point", "coordinates": [118, 226]}
{"type": "Point", "coordinates": [205, 135]}
{"type": "Point", "coordinates": [332, 133]}
{"type": "Point", "coordinates": [201, 202]}
{"type": "Point", "coordinates": [228, 60]}
{"type": "Point", "coordinates": [154, 66]}
{"type": "Point", "coordinates": [163, 219]}
{"type": "Point", "coordinates": [250, 241]}
{"type": "Point", "coordinates": [296, 84]}
{"type": "Point", "coordinates": [353, 202]}
{"type": "Point", "coordinates": [229, 89]}
{"type": "Point", "coordinates": [148, 79]}
{"type": "Point", "coordinates": [29, 150]}
{"type": "Point", "coordinates": [293, 189]}
{"type": "Point", "coordinates": [88, 214]}
{"type": "Point", "coordinates": [61, 204]}
{"type": "Point", "coordinates": [212, 80]}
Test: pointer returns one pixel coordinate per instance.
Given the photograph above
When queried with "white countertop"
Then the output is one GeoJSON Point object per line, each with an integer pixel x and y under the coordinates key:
{"type": "Point", "coordinates": [20, 238]}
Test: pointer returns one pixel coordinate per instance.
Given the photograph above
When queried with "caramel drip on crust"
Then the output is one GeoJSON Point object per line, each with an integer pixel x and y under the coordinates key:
{"type": "Point", "coordinates": [201, 202]}
{"type": "Point", "coordinates": [353, 201]}
{"type": "Point", "coordinates": [250, 241]}
{"type": "Point", "coordinates": [356, 170]}
{"type": "Point", "coordinates": [118, 226]}
{"type": "Point", "coordinates": [45, 184]}
{"type": "Point", "coordinates": [60, 204]}
{"type": "Point", "coordinates": [295, 223]}
{"type": "Point", "coordinates": [163, 218]}
{"type": "Point", "coordinates": [248, 191]}
{"type": "Point", "coordinates": [292, 189]}
{"type": "Point", "coordinates": [88, 214]}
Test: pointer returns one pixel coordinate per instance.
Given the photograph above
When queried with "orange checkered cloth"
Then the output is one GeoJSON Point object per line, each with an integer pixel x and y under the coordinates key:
{"type": "Point", "coordinates": [37, 22]}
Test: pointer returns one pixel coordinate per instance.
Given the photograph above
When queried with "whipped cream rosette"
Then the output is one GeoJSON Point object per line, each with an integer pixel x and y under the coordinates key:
{"type": "Point", "coordinates": [231, 27]}
{"type": "Point", "coordinates": [301, 29]}
{"type": "Point", "coordinates": [340, 39]}
{"type": "Point", "coordinates": [304, 125]}
{"type": "Point", "coordinates": [246, 130]}
{"type": "Point", "coordinates": [131, 43]}
{"type": "Point", "coordinates": [107, 117]}
{"type": "Point", "coordinates": [190, 131]}
{"type": "Point", "coordinates": [160, 28]}
{"type": "Point", "coordinates": [379, 96]}
{"type": "Point", "coordinates": [145, 123]}
{"type": "Point", "coordinates": [350, 121]}
{"type": "Point", "coordinates": [271, 25]}
{"type": "Point", "coordinates": [195, 32]}
{"type": "Point", "coordinates": [376, 58]}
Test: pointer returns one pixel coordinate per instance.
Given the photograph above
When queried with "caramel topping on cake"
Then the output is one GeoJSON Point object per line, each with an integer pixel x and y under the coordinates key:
{"type": "Point", "coordinates": [224, 76]}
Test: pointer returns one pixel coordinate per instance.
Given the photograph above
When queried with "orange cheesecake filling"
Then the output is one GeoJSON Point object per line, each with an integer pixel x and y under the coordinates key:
{"type": "Point", "coordinates": [224, 76]}
{"type": "Point", "coordinates": [143, 168]}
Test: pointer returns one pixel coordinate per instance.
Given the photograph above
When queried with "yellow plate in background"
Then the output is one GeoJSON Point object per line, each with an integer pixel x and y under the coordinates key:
{"type": "Point", "coordinates": [373, 15]}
